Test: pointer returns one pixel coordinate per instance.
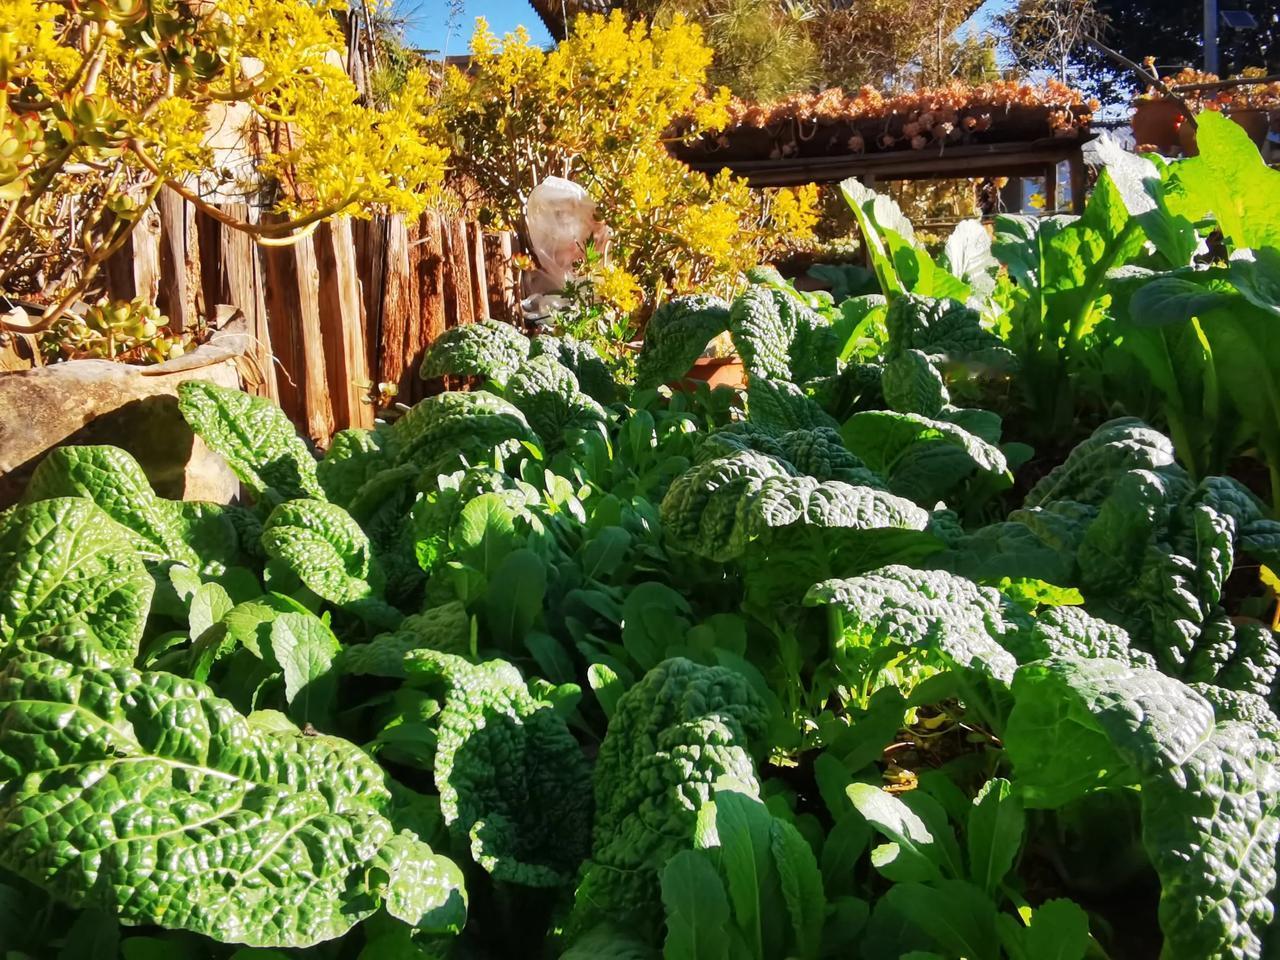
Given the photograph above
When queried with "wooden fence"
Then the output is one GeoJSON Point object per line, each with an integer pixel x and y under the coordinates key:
{"type": "Point", "coordinates": [334, 316]}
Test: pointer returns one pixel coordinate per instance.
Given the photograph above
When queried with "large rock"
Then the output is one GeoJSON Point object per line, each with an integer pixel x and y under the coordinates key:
{"type": "Point", "coordinates": [97, 401]}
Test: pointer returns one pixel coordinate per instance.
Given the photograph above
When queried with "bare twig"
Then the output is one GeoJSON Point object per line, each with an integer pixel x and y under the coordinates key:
{"type": "Point", "coordinates": [1146, 77]}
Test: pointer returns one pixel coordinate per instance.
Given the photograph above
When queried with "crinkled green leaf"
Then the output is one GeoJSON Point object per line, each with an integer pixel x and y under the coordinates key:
{"type": "Point", "coordinates": [513, 781]}
{"type": "Point", "coordinates": [255, 438]}
{"type": "Point", "coordinates": [593, 373]}
{"type": "Point", "coordinates": [781, 406]}
{"type": "Point", "coordinates": [437, 432]}
{"type": "Point", "coordinates": [65, 565]}
{"type": "Point", "coordinates": [446, 628]}
{"type": "Point", "coordinates": [925, 610]}
{"type": "Point", "coordinates": [1210, 790]}
{"type": "Point", "coordinates": [547, 393]}
{"type": "Point", "coordinates": [912, 384]}
{"type": "Point", "coordinates": [144, 795]}
{"type": "Point", "coordinates": [677, 335]}
{"type": "Point", "coordinates": [672, 736]}
{"type": "Point", "coordinates": [489, 348]}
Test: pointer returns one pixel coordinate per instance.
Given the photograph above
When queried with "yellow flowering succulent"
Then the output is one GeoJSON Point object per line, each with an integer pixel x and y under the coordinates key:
{"type": "Point", "coordinates": [600, 109]}
{"type": "Point", "coordinates": [108, 100]}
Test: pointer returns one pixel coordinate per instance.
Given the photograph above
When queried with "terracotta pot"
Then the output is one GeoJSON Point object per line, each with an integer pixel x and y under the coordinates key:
{"type": "Point", "coordinates": [1254, 121]}
{"type": "Point", "coordinates": [714, 372]}
{"type": "Point", "coordinates": [1156, 122]}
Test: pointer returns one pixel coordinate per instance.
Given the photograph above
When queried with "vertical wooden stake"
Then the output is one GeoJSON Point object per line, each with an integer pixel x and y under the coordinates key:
{"type": "Point", "coordinates": [430, 264]}
{"type": "Point", "coordinates": [293, 310]}
{"type": "Point", "coordinates": [457, 280]}
{"type": "Point", "coordinates": [230, 272]}
{"type": "Point", "coordinates": [179, 261]}
{"type": "Point", "coordinates": [342, 326]}
{"type": "Point", "coordinates": [499, 275]}
{"type": "Point", "coordinates": [399, 340]}
{"type": "Point", "coordinates": [479, 284]}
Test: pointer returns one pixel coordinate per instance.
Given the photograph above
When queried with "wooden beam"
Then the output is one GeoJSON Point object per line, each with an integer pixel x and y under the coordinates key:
{"type": "Point", "coordinates": [1018, 159]}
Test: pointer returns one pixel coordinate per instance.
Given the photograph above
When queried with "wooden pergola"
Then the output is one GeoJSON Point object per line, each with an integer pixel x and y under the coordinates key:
{"type": "Point", "coordinates": [1038, 158]}
{"type": "Point", "coordinates": [556, 15]}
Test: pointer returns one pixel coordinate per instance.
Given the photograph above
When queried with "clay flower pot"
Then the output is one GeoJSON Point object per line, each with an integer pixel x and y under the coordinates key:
{"type": "Point", "coordinates": [714, 372]}
{"type": "Point", "coordinates": [1156, 122]}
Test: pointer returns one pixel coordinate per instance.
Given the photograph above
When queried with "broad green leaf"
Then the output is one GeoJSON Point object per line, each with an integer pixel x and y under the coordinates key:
{"type": "Point", "coordinates": [1229, 180]}
{"type": "Point", "coordinates": [802, 892]}
{"type": "Point", "coordinates": [514, 785]}
{"type": "Point", "coordinates": [994, 837]}
{"type": "Point", "coordinates": [697, 909]}
{"type": "Point", "coordinates": [1059, 930]}
{"type": "Point", "coordinates": [607, 687]}
{"type": "Point", "coordinates": [304, 647]}
{"type": "Point", "coordinates": [417, 886]}
{"type": "Point", "coordinates": [485, 532]}
{"type": "Point", "coordinates": [255, 438]}
{"type": "Point", "coordinates": [517, 589]}
{"type": "Point", "coordinates": [162, 530]}
{"type": "Point", "coordinates": [247, 834]}
{"type": "Point", "coordinates": [65, 565]}
{"type": "Point", "coordinates": [1166, 301]}
{"type": "Point", "coordinates": [209, 604]}
{"type": "Point", "coordinates": [653, 618]}
{"type": "Point", "coordinates": [916, 848]}
{"type": "Point", "coordinates": [327, 550]}
{"type": "Point", "coordinates": [743, 827]}
{"type": "Point", "coordinates": [957, 915]}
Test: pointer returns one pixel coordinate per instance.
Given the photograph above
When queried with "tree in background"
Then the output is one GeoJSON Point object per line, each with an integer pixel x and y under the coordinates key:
{"type": "Point", "coordinates": [1048, 34]}
{"type": "Point", "coordinates": [1170, 31]}
{"type": "Point", "coordinates": [764, 49]}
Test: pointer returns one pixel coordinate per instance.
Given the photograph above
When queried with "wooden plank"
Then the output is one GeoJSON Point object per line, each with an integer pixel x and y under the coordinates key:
{"type": "Point", "coordinates": [179, 279]}
{"type": "Point", "coordinates": [371, 241]}
{"type": "Point", "coordinates": [479, 281]}
{"type": "Point", "coordinates": [231, 273]}
{"type": "Point", "coordinates": [398, 308]}
{"type": "Point", "coordinates": [342, 326]}
{"type": "Point", "coordinates": [1051, 188]}
{"type": "Point", "coordinates": [430, 267]}
{"type": "Point", "coordinates": [134, 270]}
{"type": "Point", "coordinates": [293, 311]}
{"type": "Point", "coordinates": [500, 273]}
{"type": "Point", "coordinates": [952, 162]}
{"type": "Point", "coordinates": [457, 279]}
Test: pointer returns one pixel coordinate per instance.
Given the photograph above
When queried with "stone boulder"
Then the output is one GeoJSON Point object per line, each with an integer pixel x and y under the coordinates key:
{"type": "Point", "coordinates": [97, 401]}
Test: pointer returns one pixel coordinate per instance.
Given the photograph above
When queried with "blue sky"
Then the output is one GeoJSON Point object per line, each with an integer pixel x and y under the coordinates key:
{"type": "Point", "coordinates": [427, 29]}
{"type": "Point", "coordinates": [428, 25]}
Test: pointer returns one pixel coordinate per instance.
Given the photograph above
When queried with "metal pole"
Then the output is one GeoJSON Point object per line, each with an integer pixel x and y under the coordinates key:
{"type": "Point", "coordinates": [1211, 36]}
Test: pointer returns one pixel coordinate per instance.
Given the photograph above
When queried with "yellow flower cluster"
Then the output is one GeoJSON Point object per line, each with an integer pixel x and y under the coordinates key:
{"type": "Point", "coordinates": [124, 95]}
{"type": "Point", "coordinates": [600, 109]}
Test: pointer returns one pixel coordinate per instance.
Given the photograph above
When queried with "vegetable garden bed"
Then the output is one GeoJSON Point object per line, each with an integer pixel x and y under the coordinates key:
{"type": "Point", "coordinates": [567, 667]}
